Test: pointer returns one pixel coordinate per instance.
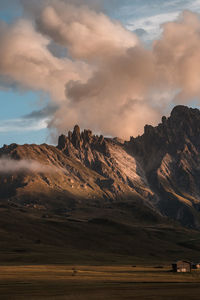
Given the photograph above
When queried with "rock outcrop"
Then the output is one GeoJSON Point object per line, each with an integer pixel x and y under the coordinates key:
{"type": "Point", "coordinates": [121, 173]}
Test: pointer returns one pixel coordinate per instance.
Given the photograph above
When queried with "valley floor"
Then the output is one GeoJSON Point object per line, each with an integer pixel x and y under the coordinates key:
{"type": "Point", "coordinates": [97, 283]}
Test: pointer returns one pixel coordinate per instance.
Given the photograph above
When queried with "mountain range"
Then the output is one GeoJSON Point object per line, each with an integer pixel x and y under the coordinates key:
{"type": "Point", "coordinates": [102, 193]}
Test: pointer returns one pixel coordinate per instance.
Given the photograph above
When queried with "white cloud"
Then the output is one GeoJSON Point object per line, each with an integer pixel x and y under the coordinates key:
{"type": "Point", "coordinates": [151, 15]}
{"type": "Point", "coordinates": [152, 24]}
{"type": "Point", "coordinates": [22, 124]}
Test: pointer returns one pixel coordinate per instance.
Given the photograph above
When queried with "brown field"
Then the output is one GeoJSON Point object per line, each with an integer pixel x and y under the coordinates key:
{"type": "Point", "coordinates": [96, 283]}
{"type": "Point", "coordinates": [60, 258]}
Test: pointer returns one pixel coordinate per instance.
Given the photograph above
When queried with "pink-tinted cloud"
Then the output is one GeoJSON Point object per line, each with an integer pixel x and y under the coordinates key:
{"type": "Point", "coordinates": [108, 81]}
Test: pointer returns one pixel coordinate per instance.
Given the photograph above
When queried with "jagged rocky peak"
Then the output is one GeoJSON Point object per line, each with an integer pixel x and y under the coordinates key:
{"type": "Point", "coordinates": [181, 111]}
{"type": "Point", "coordinates": [79, 139]}
{"type": "Point", "coordinates": [171, 134]}
{"type": "Point", "coordinates": [76, 136]}
{"type": "Point", "coordinates": [181, 118]}
{"type": "Point", "coordinates": [185, 119]}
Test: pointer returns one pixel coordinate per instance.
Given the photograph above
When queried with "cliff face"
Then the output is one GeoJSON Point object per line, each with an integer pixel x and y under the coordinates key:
{"type": "Point", "coordinates": [157, 173]}
{"type": "Point", "coordinates": [171, 162]}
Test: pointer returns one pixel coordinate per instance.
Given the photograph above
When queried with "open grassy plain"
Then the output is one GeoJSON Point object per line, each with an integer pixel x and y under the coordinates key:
{"type": "Point", "coordinates": [93, 259]}
{"type": "Point", "coordinates": [96, 283]}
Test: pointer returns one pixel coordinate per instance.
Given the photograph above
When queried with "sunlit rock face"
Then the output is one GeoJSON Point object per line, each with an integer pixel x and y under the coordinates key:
{"type": "Point", "coordinates": [158, 171]}
{"type": "Point", "coordinates": [121, 174]}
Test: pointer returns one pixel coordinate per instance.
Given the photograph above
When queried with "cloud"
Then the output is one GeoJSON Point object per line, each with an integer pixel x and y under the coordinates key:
{"type": "Point", "coordinates": [108, 81]}
{"type": "Point", "coordinates": [178, 54]}
{"type": "Point", "coordinates": [151, 14]}
{"type": "Point", "coordinates": [44, 113]}
{"type": "Point", "coordinates": [26, 61]}
{"type": "Point", "coordinates": [152, 24]}
{"type": "Point", "coordinates": [97, 35]}
{"type": "Point", "coordinates": [136, 86]}
{"type": "Point", "coordinates": [35, 121]}
{"type": "Point", "coordinates": [10, 166]}
{"type": "Point", "coordinates": [23, 124]}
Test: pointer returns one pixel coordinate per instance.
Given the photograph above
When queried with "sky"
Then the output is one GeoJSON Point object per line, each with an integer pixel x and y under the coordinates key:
{"type": "Point", "coordinates": [106, 66]}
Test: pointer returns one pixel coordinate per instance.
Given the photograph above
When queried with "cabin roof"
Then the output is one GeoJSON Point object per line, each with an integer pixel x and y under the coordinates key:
{"type": "Point", "coordinates": [182, 261]}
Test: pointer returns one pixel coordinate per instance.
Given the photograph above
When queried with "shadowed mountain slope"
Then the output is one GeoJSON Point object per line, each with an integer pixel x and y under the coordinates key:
{"type": "Point", "coordinates": [170, 156]}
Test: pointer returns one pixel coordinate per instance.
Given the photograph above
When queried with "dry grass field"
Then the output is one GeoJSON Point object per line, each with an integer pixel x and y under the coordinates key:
{"type": "Point", "coordinates": [60, 258]}
{"type": "Point", "coordinates": [96, 283]}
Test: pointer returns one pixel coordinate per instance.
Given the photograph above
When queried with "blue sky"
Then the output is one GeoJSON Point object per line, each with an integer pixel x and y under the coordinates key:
{"type": "Point", "coordinates": [14, 126]}
{"type": "Point", "coordinates": [150, 14]}
{"type": "Point", "coordinates": [17, 125]}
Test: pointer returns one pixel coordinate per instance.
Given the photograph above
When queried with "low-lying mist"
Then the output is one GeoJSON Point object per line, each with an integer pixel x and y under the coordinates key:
{"type": "Point", "coordinates": [9, 166]}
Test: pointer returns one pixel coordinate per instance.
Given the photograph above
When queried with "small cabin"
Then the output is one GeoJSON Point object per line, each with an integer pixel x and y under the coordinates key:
{"type": "Point", "coordinates": [182, 266]}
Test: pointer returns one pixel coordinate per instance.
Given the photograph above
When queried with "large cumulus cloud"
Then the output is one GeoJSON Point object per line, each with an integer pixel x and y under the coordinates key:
{"type": "Point", "coordinates": [107, 80]}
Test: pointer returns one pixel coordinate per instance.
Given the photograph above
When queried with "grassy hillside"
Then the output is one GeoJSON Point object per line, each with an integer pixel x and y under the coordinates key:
{"type": "Point", "coordinates": [30, 236]}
